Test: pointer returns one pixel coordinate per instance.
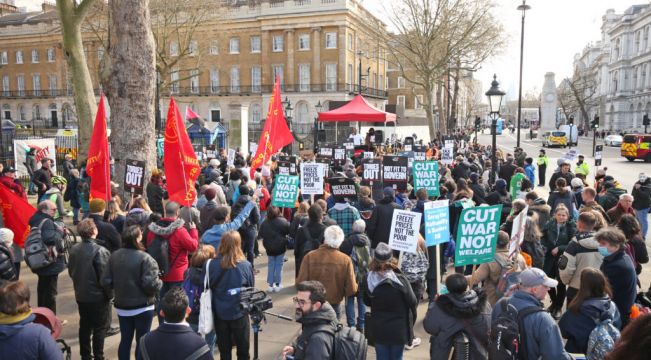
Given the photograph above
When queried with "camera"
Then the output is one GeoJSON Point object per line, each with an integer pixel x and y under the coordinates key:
{"type": "Point", "coordinates": [254, 302]}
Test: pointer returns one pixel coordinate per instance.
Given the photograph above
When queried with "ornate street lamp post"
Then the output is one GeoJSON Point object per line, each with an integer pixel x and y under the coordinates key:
{"type": "Point", "coordinates": [495, 95]}
{"type": "Point", "coordinates": [319, 108]}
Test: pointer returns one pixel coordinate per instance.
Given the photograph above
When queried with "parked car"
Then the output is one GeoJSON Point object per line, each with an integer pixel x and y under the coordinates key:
{"type": "Point", "coordinates": [613, 140]}
{"type": "Point", "coordinates": [554, 138]}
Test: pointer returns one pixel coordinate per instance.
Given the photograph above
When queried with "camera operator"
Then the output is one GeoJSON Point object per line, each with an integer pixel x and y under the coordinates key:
{"type": "Point", "coordinates": [315, 315]}
{"type": "Point", "coordinates": [228, 273]}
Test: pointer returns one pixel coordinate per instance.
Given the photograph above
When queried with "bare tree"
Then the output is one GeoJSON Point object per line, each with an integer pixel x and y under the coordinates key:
{"type": "Point", "coordinates": [71, 15]}
{"type": "Point", "coordinates": [576, 95]}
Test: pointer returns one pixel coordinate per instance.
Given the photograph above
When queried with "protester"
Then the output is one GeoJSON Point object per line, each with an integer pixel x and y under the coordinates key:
{"type": "Point", "coordinates": [55, 195]}
{"type": "Point", "coordinates": [538, 206]}
{"type": "Point", "coordinates": [588, 195]}
{"type": "Point", "coordinates": [9, 180]}
{"type": "Point", "coordinates": [563, 172]}
{"type": "Point", "coordinates": [378, 227]}
{"type": "Point", "coordinates": [221, 218]}
{"type": "Point", "coordinates": [582, 167]}
{"type": "Point", "coordinates": [624, 206]}
{"type": "Point", "coordinates": [274, 231]}
{"type": "Point", "coordinates": [634, 340]}
{"type": "Point", "coordinates": [344, 214]}
{"type": "Point", "coordinates": [358, 246]}
{"type": "Point", "coordinates": [642, 201]}
{"type": "Point", "coordinates": [155, 191]}
{"type": "Point", "coordinates": [108, 236]}
{"type": "Point", "coordinates": [507, 170]}
{"type": "Point", "coordinates": [531, 246]}
{"type": "Point", "coordinates": [577, 188]}
{"type": "Point", "coordinates": [249, 229]}
{"type": "Point", "coordinates": [9, 270]}
{"type": "Point", "coordinates": [501, 196]}
{"type": "Point", "coordinates": [300, 218]}
{"type": "Point", "coordinates": [414, 266]}
{"type": "Point", "coordinates": [562, 195]}
{"type": "Point", "coordinates": [72, 194]}
{"type": "Point", "coordinates": [518, 206]}
{"type": "Point", "coordinates": [635, 245]}
{"type": "Point", "coordinates": [42, 176]}
{"type": "Point", "coordinates": [610, 195]}
{"type": "Point", "coordinates": [310, 236]}
{"type": "Point", "coordinates": [193, 279]}
{"type": "Point", "coordinates": [207, 211]}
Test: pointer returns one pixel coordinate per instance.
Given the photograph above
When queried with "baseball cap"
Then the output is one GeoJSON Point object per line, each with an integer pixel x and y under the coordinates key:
{"type": "Point", "coordinates": [534, 277]}
{"type": "Point", "coordinates": [8, 169]}
{"type": "Point", "coordinates": [576, 182]}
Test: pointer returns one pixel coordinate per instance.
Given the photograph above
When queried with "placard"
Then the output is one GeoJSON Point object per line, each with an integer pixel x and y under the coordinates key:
{"type": "Point", "coordinates": [326, 151]}
{"type": "Point", "coordinates": [285, 191]}
{"type": "Point", "coordinates": [231, 157]}
{"type": "Point", "coordinates": [210, 152]}
{"type": "Point", "coordinates": [449, 144]}
{"type": "Point", "coordinates": [426, 176]}
{"type": "Point", "coordinates": [312, 178]}
{"type": "Point", "coordinates": [43, 148]}
{"type": "Point", "coordinates": [326, 163]}
{"type": "Point", "coordinates": [343, 188]}
{"type": "Point", "coordinates": [598, 155]}
{"type": "Point", "coordinates": [349, 146]}
{"type": "Point", "coordinates": [368, 155]}
{"type": "Point", "coordinates": [394, 172]}
{"type": "Point", "coordinates": [517, 231]}
{"type": "Point", "coordinates": [339, 157]}
{"type": "Point", "coordinates": [253, 147]}
{"type": "Point", "coordinates": [419, 153]}
{"type": "Point", "coordinates": [437, 222]}
{"type": "Point", "coordinates": [477, 235]}
{"type": "Point", "coordinates": [284, 168]}
{"type": "Point", "coordinates": [134, 176]}
{"type": "Point", "coordinates": [371, 170]}
{"type": "Point", "coordinates": [404, 231]}
{"type": "Point", "coordinates": [447, 155]}
{"type": "Point", "coordinates": [571, 154]}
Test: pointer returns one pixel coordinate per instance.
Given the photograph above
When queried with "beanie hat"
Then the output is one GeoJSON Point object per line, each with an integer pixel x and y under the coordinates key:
{"type": "Point", "coordinates": [210, 193]}
{"type": "Point", "coordinates": [97, 206]}
{"type": "Point", "coordinates": [576, 182]}
{"type": "Point", "coordinates": [6, 236]}
{"type": "Point", "coordinates": [382, 252]}
{"type": "Point", "coordinates": [389, 192]}
{"type": "Point", "coordinates": [474, 177]}
{"type": "Point", "coordinates": [137, 216]}
{"type": "Point", "coordinates": [500, 184]}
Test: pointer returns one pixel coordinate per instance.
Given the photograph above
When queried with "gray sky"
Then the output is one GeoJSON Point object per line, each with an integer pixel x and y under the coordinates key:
{"type": "Point", "coordinates": [555, 30]}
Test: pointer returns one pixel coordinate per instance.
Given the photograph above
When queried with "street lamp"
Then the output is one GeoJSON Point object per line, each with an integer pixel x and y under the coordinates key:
{"type": "Point", "coordinates": [570, 122]}
{"type": "Point", "coordinates": [524, 7]}
{"type": "Point", "coordinates": [288, 116]}
{"type": "Point", "coordinates": [318, 107]}
{"type": "Point", "coordinates": [495, 95]}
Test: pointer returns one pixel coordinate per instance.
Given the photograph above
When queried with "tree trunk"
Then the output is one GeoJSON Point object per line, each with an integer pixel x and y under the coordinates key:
{"type": "Point", "coordinates": [429, 112]}
{"type": "Point", "coordinates": [443, 128]}
{"type": "Point", "coordinates": [84, 97]}
{"type": "Point", "coordinates": [132, 84]}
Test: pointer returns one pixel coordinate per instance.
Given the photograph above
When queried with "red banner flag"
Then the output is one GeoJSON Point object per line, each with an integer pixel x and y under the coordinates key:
{"type": "Point", "coordinates": [98, 166]}
{"type": "Point", "coordinates": [189, 114]}
{"type": "Point", "coordinates": [16, 213]}
{"type": "Point", "coordinates": [181, 165]}
{"type": "Point", "coordinates": [275, 133]}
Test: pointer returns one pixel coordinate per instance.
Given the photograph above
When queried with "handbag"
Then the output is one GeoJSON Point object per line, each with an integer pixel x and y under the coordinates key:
{"type": "Point", "coordinates": [206, 322]}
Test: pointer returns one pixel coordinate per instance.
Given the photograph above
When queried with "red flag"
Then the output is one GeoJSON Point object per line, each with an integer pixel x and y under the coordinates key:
{"type": "Point", "coordinates": [189, 114]}
{"type": "Point", "coordinates": [275, 133]}
{"type": "Point", "coordinates": [98, 165]}
{"type": "Point", "coordinates": [16, 213]}
{"type": "Point", "coordinates": [181, 164]}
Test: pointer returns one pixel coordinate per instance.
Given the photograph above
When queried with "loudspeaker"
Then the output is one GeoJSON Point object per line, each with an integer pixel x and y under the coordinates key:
{"type": "Point", "coordinates": [379, 136]}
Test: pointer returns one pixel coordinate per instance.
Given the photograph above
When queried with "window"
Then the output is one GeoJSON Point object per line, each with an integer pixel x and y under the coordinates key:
{"type": "Point", "coordinates": [21, 113]}
{"type": "Point", "coordinates": [235, 79]}
{"type": "Point", "coordinates": [380, 82]}
{"type": "Point", "coordinates": [36, 112]}
{"type": "Point", "coordinates": [331, 40]}
{"type": "Point", "coordinates": [256, 113]}
{"type": "Point", "coordinates": [304, 42]}
{"type": "Point", "coordinates": [174, 77]}
{"type": "Point", "coordinates": [52, 83]}
{"type": "Point", "coordinates": [349, 76]}
{"type": "Point", "coordinates": [214, 80]}
{"type": "Point", "coordinates": [277, 43]}
{"type": "Point", "coordinates": [637, 42]}
{"type": "Point", "coordinates": [331, 77]}
{"type": "Point", "coordinates": [255, 44]}
{"type": "Point", "coordinates": [100, 53]}
{"type": "Point", "coordinates": [20, 80]}
{"type": "Point", "coordinates": [278, 71]}
{"type": "Point", "coordinates": [401, 82]}
{"type": "Point", "coordinates": [643, 78]}
{"type": "Point", "coordinates": [418, 103]}
{"type": "Point", "coordinates": [5, 85]}
{"type": "Point", "coordinates": [19, 57]}
{"type": "Point", "coordinates": [350, 41]}
{"type": "Point", "coordinates": [35, 56]}
{"type": "Point", "coordinates": [304, 77]}
{"type": "Point", "coordinates": [174, 48]}
{"type": "Point", "coordinates": [302, 113]}
{"type": "Point", "coordinates": [213, 49]}
{"type": "Point", "coordinates": [4, 60]}
{"type": "Point", "coordinates": [50, 55]}
{"type": "Point", "coordinates": [401, 100]}
{"type": "Point", "coordinates": [234, 46]}
{"type": "Point", "coordinates": [36, 84]}
{"type": "Point", "coordinates": [256, 79]}
{"type": "Point", "coordinates": [193, 47]}
{"type": "Point", "coordinates": [615, 82]}
{"type": "Point", "coordinates": [194, 81]}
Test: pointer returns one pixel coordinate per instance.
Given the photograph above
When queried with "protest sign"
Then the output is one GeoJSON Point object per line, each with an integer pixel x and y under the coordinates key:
{"type": "Point", "coordinates": [253, 147]}
{"type": "Point", "coordinates": [326, 151]}
{"type": "Point", "coordinates": [404, 231]}
{"type": "Point", "coordinates": [284, 168]}
{"type": "Point", "coordinates": [368, 155]}
{"type": "Point", "coordinates": [449, 143]}
{"type": "Point", "coordinates": [285, 191]}
{"type": "Point", "coordinates": [326, 163]}
{"type": "Point", "coordinates": [394, 171]}
{"type": "Point", "coordinates": [231, 157]}
{"type": "Point", "coordinates": [43, 148]}
{"type": "Point", "coordinates": [210, 152]}
{"type": "Point", "coordinates": [134, 176]}
{"type": "Point", "coordinates": [571, 155]}
{"type": "Point", "coordinates": [343, 188]}
{"type": "Point", "coordinates": [371, 170]}
{"type": "Point", "coordinates": [477, 235]}
{"type": "Point", "coordinates": [419, 153]}
{"type": "Point", "coordinates": [339, 157]}
{"type": "Point", "coordinates": [312, 178]}
{"type": "Point", "coordinates": [426, 176]}
{"type": "Point", "coordinates": [349, 146]}
{"type": "Point", "coordinates": [288, 158]}
{"type": "Point", "coordinates": [437, 222]}
{"type": "Point", "coordinates": [447, 155]}
{"type": "Point", "coordinates": [517, 231]}
{"type": "Point", "coordinates": [598, 151]}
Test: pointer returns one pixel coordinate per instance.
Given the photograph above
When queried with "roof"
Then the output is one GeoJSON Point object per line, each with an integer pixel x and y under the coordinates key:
{"type": "Point", "coordinates": [30, 17]}
{"type": "Point", "coordinates": [357, 110]}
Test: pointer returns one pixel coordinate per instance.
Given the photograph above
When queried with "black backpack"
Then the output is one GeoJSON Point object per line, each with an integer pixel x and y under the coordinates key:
{"type": "Point", "coordinates": [507, 337]}
{"type": "Point", "coordinates": [7, 269]}
{"type": "Point", "coordinates": [349, 343]}
{"type": "Point", "coordinates": [310, 242]}
{"type": "Point", "coordinates": [159, 249]}
{"type": "Point", "coordinates": [37, 254]}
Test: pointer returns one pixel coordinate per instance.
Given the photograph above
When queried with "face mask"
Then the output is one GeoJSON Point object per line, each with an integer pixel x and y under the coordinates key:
{"type": "Point", "coordinates": [643, 179]}
{"type": "Point", "coordinates": [603, 251]}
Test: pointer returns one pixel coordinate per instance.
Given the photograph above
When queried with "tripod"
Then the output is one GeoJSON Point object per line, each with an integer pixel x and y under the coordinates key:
{"type": "Point", "coordinates": [257, 317]}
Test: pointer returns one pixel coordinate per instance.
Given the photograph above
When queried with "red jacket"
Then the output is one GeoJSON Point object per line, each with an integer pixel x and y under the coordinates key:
{"type": "Point", "coordinates": [13, 186]}
{"type": "Point", "coordinates": [181, 243]}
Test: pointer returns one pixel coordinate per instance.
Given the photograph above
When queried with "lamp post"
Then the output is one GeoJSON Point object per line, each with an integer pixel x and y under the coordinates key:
{"type": "Point", "coordinates": [524, 7]}
{"type": "Point", "coordinates": [570, 122]}
{"type": "Point", "coordinates": [495, 95]}
{"type": "Point", "coordinates": [288, 117]}
{"type": "Point", "coordinates": [318, 108]}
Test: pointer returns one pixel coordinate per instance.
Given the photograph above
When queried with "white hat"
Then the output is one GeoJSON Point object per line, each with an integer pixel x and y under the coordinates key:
{"type": "Point", "coordinates": [6, 236]}
{"type": "Point", "coordinates": [576, 182]}
{"type": "Point", "coordinates": [214, 162]}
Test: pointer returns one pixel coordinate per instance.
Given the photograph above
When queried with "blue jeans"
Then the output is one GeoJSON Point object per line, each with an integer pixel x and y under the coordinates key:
{"type": "Point", "coordinates": [210, 338]}
{"type": "Point", "coordinates": [75, 214]}
{"type": "Point", "coordinates": [388, 352]}
{"type": "Point", "coordinates": [350, 310]}
{"type": "Point", "coordinates": [140, 325]}
{"type": "Point", "coordinates": [275, 269]}
{"type": "Point", "coordinates": [643, 218]}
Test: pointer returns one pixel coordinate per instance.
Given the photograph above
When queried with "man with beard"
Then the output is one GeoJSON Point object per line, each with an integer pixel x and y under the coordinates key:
{"type": "Point", "coordinates": [318, 321]}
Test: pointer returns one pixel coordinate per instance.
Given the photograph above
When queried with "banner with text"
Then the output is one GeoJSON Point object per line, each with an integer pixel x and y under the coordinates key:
{"type": "Point", "coordinates": [394, 172]}
{"type": "Point", "coordinates": [477, 235]}
{"type": "Point", "coordinates": [404, 231]}
{"type": "Point", "coordinates": [437, 222]}
{"type": "Point", "coordinates": [426, 176]}
{"type": "Point", "coordinates": [134, 176]}
{"type": "Point", "coordinates": [285, 191]}
{"type": "Point", "coordinates": [312, 178]}
{"type": "Point", "coordinates": [343, 188]}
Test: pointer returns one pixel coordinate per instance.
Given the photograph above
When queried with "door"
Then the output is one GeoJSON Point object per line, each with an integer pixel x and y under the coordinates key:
{"type": "Point", "coordinates": [215, 115]}
{"type": "Point", "coordinates": [55, 119]}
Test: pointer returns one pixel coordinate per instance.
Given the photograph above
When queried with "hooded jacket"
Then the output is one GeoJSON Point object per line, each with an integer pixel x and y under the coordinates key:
{"type": "Point", "coordinates": [315, 342]}
{"type": "Point", "coordinates": [21, 338]}
{"type": "Point", "coordinates": [107, 235]}
{"type": "Point", "coordinates": [490, 272]}
{"type": "Point", "coordinates": [576, 327]}
{"type": "Point", "coordinates": [181, 243]}
{"type": "Point", "coordinates": [579, 254]}
{"type": "Point", "coordinates": [620, 272]}
{"type": "Point", "coordinates": [642, 196]}
{"type": "Point", "coordinates": [379, 225]}
{"type": "Point", "coordinates": [567, 198]}
{"type": "Point", "coordinates": [610, 199]}
{"type": "Point", "coordinates": [469, 312]}
{"type": "Point", "coordinates": [274, 235]}
{"type": "Point", "coordinates": [206, 215]}
{"type": "Point", "coordinates": [354, 239]}
{"type": "Point", "coordinates": [543, 210]}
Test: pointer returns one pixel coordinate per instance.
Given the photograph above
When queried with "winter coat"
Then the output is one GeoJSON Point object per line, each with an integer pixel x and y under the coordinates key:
{"type": "Point", "coordinates": [14, 186]}
{"type": "Point", "coordinates": [7, 269]}
{"type": "Point", "coordinates": [155, 196]}
{"type": "Point", "coordinates": [107, 235]}
{"type": "Point", "coordinates": [315, 230]}
{"type": "Point", "coordinates": [195, 275]}
{"type": "Point", "coordinates": [354, 239]}
{"type": "Point", "coordinates": [543, 338]}
{"type": "Point", "coordinates": [555, 236]}
{"type": "Point", "coordinates": [610, 199]}
{"type": "Point", "coordinates": [506, 171]}
{"type": "Point", "coordinates": [333, 269]}
{"type": "Point", "coordinates": [224, 305]}
{"type": "Point", "coordinates": [449, 314]}
{"type": "Point", "coordinates": [174, 341]}
{"type": "Point", "coordinates": [620, 272]}
{"type": "Point", "coordinates": [617, 212]}
{"type": "Point", "coordinates": [491, 272]}
{"type": "Point", "coordinates": [566, 198]}
{"type": "Point", "coordinates": [118, 223]}
{"type": "Point", "coordinates": [414, 266]}
{"type": "Point", "coordinates": [504, 198]}
{"type": "Point", "coordinates": [22, 338]}
{"type": "Point", "coordinates": [593, 205]}
{"type": "Point", "coordinates": [642, 196]}
{"type": "Point", "coordinates": [181, 243]}
{"type": "Point", "coordinates": [576, 327]}
{"type": "Point", "coordinates": [535, 250]}
{"type": "Point", "coordinates": [298, 221]}
{"type": "Point", "coordinates": [543, 210]}
{"type": "Point", "coordinates": [133, 275]}
{"type": "Point", "coordinates": [41, 178]}
{"type": "Point", "coordinates": [254, 215]}
{"type": "Point", "coordinates": [213, 235]}
{"type": "Point", "coordinates": [274, 236]}
{"type": "Point", "coordinates": [393, 310]}
{"type": "Point", "coordinates": [52, 234]}
{"type": "Point", "coordinates": [579, 254]}
{"type": "Point", "coordinates": [207, 216]}
{"type": "Point", "coordinates": [314, 343]}
{"type": "Point", "coordinates": [86, 264]}
{"type": "Point", "coordinates": [530, 171]}
{"type": "Point", "coordinates": [568, 176]}
{"type": "Point", "coordinates": [379, 225]}
{"type": "Point", "coordinates": [478, 193]}
{"type": "Point", "coordinates": [638, 252]}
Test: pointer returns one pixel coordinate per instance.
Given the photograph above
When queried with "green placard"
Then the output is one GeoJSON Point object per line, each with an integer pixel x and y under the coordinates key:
{"type": "Point", "coordinates": [477, 235]}
{"type": "Point", "coordinates": [426, 176]}
{"type": "Point", "coordinates": [285, 191]}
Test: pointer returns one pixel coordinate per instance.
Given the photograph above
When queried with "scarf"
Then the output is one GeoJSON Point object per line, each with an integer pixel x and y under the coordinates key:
{"type": "Point", "coordinates": [376, 278]}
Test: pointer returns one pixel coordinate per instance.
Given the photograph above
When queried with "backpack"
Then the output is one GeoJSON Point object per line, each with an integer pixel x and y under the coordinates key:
{"type": "Point", "coordinates": [507, 335]}
{"type": "Point", "coordinates": [602, 340]}
{"type": "Point", "coordinates": [310, 242]}
{"type": "Point", "coordinates": [508, 277]}
{"type": "Point", "coordinates": [37, 254]}
{"type": "Point", "coordinates": [349, 343]}
{"type": "Point", "coordinates": [159, 249]}
{"type": "Point", "coordinates": [7, 269]}
{"type": "Point", "coordinates": [361, 257]}
{"type": "Point", "coordinates": [193, 292]}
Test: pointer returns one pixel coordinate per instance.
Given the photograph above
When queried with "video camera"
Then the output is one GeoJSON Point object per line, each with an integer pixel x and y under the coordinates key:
{"type": "Point", "coordinates": [254, 302]}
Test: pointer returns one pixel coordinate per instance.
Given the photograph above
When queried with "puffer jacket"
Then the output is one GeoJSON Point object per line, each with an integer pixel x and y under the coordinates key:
{"type": "Point", "coordinates": [576, 327]}
{"type": "Point", "coordinates": [314, 342]}
{"type": "Point", "coordinates": [469, 312]}
{"type": "Point", "coordinates": [7, 269]}
{"type": "Point", "coordinates": [555, 236]}
{"type": "Point", "coordinates": [274, 236]}
{"type": "Point", "coordinates": [610, 198]}
{"type": "Point", "coordinates": [543, 210]}
{"type": "Point", "coordinates": [52, 235]}
{"type": "Point", "coordinates": [86, 264]}
{"type": "Point", "coordinates": [579, 254]}
{"type": "Point", "coordinates": [181, 243]}
{"type": "Point", "coordinates": [22, 338]}
{"type": "Point", "coordinates": [133, 275]}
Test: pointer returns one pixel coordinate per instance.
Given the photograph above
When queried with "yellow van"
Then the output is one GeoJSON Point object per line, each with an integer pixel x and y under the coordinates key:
{"type": "Point", "coordinates": [554, 138]}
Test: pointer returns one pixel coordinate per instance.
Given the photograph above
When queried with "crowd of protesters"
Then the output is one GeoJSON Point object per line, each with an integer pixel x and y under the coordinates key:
{"type": "Point", "coordinates": [583, 246]}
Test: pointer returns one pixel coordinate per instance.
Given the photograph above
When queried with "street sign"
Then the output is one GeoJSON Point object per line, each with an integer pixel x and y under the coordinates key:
{"type": "Point", "coordinates": [134, 176]}
{"type": "Point", "coordinates": [598, 155]}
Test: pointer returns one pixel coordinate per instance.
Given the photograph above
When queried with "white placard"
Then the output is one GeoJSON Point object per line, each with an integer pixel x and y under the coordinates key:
{"type": "Point", "coordinates": [404, 231]}
{"type": "Point", "coordinates": [231, 157]}
{"type": "Point", "coordinates": [517, 232]}
{"type": "Point", "coordinates": [43, 148]}
{"type": "Point", "coordinates": [253, 147]}
{"type": "Point", "coordinates": [312, 181]}
{"type": "Point", "coordinates": [447, 155]}
{"type": "Point", "coordinates": [368, 155]}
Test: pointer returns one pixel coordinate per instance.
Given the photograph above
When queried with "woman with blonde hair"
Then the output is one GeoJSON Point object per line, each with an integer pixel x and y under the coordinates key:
{"type": "Point", "coordinates": [115, 215]}
{"type": "Point", "coordinates": [139, 202]}
{"type": "Point", "coordinates": [193, 279]}
{"type": "Point", "coordinates": [229, 271]}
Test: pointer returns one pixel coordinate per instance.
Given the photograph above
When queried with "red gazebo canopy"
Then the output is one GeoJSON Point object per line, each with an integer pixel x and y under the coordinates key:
{"type": "Point", "coordinates": [357, 110]}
